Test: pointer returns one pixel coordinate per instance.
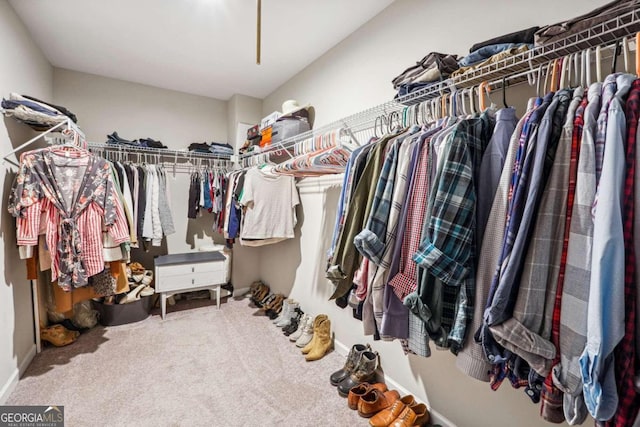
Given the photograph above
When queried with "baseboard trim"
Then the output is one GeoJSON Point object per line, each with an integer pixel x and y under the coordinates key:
{"type": "Point", "coordinates": [436, 417]}
{"type": "Point", "coordinates": [240, 291]}
{"type": "Point", "coordinates": [12, 382]}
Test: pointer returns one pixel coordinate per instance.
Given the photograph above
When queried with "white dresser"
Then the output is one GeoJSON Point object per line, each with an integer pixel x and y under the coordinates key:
{"type": "Point", "coordinates": [178, 273]}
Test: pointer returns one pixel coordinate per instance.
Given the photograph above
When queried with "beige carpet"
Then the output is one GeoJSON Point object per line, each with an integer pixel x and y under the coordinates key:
{"type": "Point", "coordinates": [200, 367]}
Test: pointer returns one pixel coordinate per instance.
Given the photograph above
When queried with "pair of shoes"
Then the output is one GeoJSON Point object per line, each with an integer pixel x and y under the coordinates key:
{"type": "Point", "coordinates": [275, 311]}
{"type": "Point", "coordinates": [405, 412]}
{"type": "Point", "coordinates": [288, 312]}
{"type": "Point", "coordinates": [366, 371]}
{"type": "Point", "coordinates": [273, 305]}
{"type": "Point", "coordinates": [301, 326]}
{"type": "Point", "coordinates": [374, 401]}
{"type": "Point", "coordinates": [307, 333]}
{"type": "Point", "coordinates": [260, 292]}
{"type": "Point", "coordinates": [353, 399]}
{"type": "Point", "coordinates": [350, 365]}
{"type": "Point", "coordinates": [293, 325]}
{"type": "Point", "coordinates": [58, 335]}
{"type": "Point", "coordinates": [322, 341]}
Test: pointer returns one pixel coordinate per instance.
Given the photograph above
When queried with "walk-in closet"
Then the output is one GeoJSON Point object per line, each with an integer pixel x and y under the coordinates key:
{"type": "Point", "coordinates": [333, 213]}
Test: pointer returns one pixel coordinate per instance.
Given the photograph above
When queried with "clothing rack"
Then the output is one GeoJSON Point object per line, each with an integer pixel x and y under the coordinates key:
{"type": "Point", "coordinates": [180, 160]}
{"type": "Point", "coordinates": [523, 67]}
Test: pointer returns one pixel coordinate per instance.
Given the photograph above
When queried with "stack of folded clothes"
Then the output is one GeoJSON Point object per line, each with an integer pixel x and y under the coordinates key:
{"type": "Point", "coordinates": [561, 30]}
{"type": "Point", "coordinates": [114, 138]}
{"type": "Point", "coordinates": [432, 68]}
{"type": "Point", "coordinates": [496, 49]}
{"type": "Point", "coordinates": [38, 114]}
{"type": "Point", "coordinates": [214, 147]}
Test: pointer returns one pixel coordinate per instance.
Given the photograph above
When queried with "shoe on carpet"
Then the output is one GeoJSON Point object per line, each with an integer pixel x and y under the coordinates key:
{"type": "Point", "coordinates": [365, 372]}
{"type": "Point", "coordinates": [312, 334]}
{"type": "Point", "coordinates": [324, 341]}
{"type": "Point", "coordinates": [387, 416]}
{"type": "Point", "coordinates": [350, 364]}
{"type": "Point", "coordinates": [298, 332]}
{"type": "Point", "coordinates": [360, 390]}
{"type": "Point", "coordinates": [375, 401]}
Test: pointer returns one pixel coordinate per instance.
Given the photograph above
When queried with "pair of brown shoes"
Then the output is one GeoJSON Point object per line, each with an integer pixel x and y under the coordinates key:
{"type": "Point", "coordinates": [405, 412]}
{"type": "Point", "coordinates": [369, 399]}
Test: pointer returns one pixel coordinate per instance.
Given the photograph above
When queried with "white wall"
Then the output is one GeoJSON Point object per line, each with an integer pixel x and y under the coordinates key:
{"type": "Point", "coordinates": [356, 75]}
{"type": "Point", "coordinates": [25, 70]}
{"type": "Point", "coordinates": [246, 260]}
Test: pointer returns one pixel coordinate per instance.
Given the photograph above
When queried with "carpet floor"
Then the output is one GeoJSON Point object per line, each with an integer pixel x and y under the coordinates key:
{"type": "Point", "coordinates": [199, 367]}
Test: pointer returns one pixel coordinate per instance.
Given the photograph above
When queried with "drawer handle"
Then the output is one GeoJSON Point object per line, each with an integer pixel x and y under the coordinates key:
{"type": "Point", "coordinates": [193, 269]}
{"type": "Point", "coordinates": [193, 281]}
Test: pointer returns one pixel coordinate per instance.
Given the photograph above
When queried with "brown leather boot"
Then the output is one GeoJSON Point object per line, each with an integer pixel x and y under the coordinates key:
{"type": "Point", "coordinates": [366, 371]}
{"type": "Point", "coordinates": [316, 323]}
{"type": "Point", "coordinates": [386, 417]}
{"type": "Point", "coordinates": [350, 364]}
{"type": "Point", "coordinates": [324, 341]}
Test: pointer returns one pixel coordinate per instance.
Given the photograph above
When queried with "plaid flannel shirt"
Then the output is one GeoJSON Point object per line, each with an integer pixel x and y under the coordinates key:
{"type": "Point", "coordinates": [447, 249]}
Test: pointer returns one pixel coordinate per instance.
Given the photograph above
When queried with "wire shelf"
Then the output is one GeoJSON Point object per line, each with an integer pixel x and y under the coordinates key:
{"type": "Point", "coordinates": [156, 152]}
{"type": "Point", "coordinates": [607, 32]}
{"type": "Point", "coordinates": [514, 69]}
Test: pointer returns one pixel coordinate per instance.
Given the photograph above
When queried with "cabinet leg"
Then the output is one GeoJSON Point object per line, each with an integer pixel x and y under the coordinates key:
{"type": "Point", "coordinates": [218, 296]}
{"type": "Point", "coordinates": [163, 305]}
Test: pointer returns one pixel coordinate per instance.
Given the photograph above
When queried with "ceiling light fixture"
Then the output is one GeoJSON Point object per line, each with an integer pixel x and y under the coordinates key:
{"type": "Point", "coordinates": [258, 30]}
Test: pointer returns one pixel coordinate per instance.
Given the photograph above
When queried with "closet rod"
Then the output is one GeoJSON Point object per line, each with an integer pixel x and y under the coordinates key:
{"type": "Point", "coordinates": [165, 152]}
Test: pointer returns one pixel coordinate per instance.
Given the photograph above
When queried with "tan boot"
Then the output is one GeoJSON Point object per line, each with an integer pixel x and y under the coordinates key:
{"type": "Point", "coordinates": [316, 322]}
{"type": "Point", "coordinates": [324, 341]}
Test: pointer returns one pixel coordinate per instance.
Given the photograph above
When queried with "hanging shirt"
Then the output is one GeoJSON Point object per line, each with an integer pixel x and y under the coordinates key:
{"type": "Point", "coordinates": [270, 203]}
{"type": "Point", "coordinates": [606, 310]}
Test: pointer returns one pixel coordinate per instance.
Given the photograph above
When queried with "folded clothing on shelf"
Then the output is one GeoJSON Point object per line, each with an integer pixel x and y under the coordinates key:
{"type": "Point", "coordinates": [114, 138]}
{"type": "Point", "coordinates": [560, 30]}
{"type": "Point", "coordinates": [486, 52]}
{"type": "Point", "coordinates": [214, 148]}
{"type": "Point", "coordinates": [517, 37]}
{"type": "Point", "coordinates": [500, 55]}
{"type": "Point", "coordinates": [433, 67]}
{"type": "Point", "coordinates": [39, 115]}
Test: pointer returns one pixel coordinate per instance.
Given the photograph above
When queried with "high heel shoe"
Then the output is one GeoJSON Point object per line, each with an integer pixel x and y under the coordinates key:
{"type": "Point", "coordinates": [133, 295]}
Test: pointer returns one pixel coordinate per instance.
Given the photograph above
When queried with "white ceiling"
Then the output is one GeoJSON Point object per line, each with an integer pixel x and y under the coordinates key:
{"type": "Point", "coordinates": [204, 47]}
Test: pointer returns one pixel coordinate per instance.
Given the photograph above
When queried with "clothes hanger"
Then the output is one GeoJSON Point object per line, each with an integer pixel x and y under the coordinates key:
{"type": "Point", "coordinates": [504, 92]}
{"type": "Point", "coordinates": [616, 52]}
{"type": "Point", "coordinates": [599, 63]}
{"type": "Point", "coordinates": [625, 54]}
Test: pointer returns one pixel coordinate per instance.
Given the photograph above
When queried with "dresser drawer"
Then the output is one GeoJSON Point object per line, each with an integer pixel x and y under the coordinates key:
{"type": "Point", "coordinates": [189, 280]}
{"type": "Point", "coordinates": [187, 269]}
